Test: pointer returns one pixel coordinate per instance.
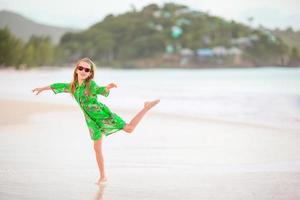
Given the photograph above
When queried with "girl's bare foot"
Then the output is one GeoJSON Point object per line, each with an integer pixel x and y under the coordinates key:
{"type": "Point", "coordinates": [149, 104]}
{"type": "Point", "coordinates": [101, 181]}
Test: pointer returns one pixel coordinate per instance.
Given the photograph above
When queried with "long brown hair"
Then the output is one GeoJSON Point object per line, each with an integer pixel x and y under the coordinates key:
{"type": "Point", "coordinates": [88, 79]}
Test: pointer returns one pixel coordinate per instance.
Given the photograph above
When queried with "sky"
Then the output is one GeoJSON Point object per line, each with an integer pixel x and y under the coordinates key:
{"type": "Point", "coordinates": [82, 14]}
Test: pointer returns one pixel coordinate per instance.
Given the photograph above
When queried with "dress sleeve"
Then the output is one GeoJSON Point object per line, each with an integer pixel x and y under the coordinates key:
{"type": "Point", "coordinates": [99, 89]}
{"type": "Point", "coordinates": [60, 87]}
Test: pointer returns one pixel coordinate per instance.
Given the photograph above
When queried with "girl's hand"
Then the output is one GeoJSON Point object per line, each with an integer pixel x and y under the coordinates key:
{"type": "Point", "coordinates": [111, 85]}
{"type": "Point", "coordinates": [38, 90]}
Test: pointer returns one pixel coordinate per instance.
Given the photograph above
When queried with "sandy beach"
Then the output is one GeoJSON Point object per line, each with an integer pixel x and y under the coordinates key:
{"type": "Point", "coordinates": [46, 153]}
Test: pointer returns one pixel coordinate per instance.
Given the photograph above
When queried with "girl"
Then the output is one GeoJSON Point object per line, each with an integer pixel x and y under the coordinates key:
{"type": "Point", "coordinates": [99, 118]}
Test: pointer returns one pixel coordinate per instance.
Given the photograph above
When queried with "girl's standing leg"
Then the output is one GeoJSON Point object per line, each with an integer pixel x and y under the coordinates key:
{"type": "Point", "coordinates": [137, 118]}
{"type": "Point", "coordinates": [100, 160]}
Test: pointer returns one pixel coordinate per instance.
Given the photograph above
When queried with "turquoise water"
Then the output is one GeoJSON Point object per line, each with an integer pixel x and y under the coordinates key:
{"type": "Point", "coordinates": [264, 96]}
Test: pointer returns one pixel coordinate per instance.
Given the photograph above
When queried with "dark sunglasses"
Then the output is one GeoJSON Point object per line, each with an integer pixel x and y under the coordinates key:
{"type": "Point", "coordinates": [85, 69]}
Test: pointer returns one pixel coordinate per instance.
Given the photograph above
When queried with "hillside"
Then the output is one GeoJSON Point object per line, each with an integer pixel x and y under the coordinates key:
{"type": "Point", "coordinates": [173, 35]}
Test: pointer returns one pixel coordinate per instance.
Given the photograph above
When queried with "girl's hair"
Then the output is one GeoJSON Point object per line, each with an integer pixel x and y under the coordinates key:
{"type": "Point", "coordinates": [88, 79]}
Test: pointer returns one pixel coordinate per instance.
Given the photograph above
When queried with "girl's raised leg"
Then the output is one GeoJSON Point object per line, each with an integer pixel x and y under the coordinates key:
{"type": "Point", "coordinates": [137, 118]}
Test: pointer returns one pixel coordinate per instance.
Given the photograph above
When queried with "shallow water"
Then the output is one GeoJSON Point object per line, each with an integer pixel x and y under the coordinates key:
{"type": "Point", "coordinates": [268, 96]}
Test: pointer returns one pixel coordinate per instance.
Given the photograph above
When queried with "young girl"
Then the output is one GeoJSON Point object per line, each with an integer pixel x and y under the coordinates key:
{"type": "Point", "coordinates": [99, 118]}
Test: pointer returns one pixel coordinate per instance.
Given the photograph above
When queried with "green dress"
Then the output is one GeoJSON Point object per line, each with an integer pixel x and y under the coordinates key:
{"type": "Point", "coordinates": [99, 118]}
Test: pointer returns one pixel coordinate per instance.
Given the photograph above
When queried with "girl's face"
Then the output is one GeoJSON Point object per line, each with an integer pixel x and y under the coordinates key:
{"type": "Point", "coordinates": [83, 70]}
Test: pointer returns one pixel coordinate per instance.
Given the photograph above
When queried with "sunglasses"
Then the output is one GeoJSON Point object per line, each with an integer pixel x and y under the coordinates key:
{"type": "Point", "coordinates": [85, 69]}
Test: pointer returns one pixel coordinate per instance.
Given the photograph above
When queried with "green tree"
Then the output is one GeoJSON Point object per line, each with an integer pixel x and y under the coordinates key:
{"type": "Point", "coordinates": [10, 48]}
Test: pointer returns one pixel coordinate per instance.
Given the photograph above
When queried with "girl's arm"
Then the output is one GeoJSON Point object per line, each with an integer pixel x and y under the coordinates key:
{"type": "Point", "coordinates": [102, 90]}
{"type": "Point", "coordinates": [40, 89]}
{"type": "Point", "coordinates": [60, 87]}
{"type": "Point", "coordinates": [55, 87]}
{"type": "Point", "coordinates": [111, 85]}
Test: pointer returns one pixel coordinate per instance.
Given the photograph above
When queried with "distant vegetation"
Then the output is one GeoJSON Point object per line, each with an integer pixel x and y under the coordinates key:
{"type": "Point", "coordinates": [37, 51]}
{"type": "Point", "coordinates": [169, 36]}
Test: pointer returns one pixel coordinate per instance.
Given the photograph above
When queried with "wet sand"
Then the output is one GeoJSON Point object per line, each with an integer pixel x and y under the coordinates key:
{"type": "Point", "coordinates": [46, 153]}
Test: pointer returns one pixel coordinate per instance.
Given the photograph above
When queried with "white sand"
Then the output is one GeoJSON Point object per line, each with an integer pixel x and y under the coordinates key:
{"type": "Point", "coordinates": [46, 153]}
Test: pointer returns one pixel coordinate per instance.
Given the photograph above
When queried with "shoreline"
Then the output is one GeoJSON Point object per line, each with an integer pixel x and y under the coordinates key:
{"type": "Point", "coordinates": [24, 108]}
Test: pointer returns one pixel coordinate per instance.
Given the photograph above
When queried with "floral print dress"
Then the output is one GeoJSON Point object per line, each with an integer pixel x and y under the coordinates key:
{"type": "Point", "coordinates": [99, 118]}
